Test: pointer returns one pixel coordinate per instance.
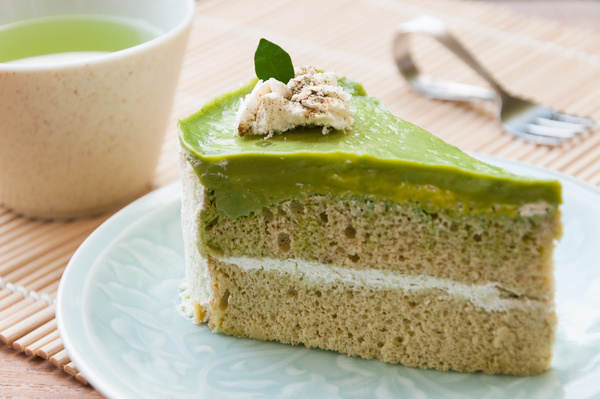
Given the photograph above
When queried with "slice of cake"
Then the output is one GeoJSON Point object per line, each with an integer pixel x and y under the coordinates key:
{"type": "Point", "coordinates": [371, 237]}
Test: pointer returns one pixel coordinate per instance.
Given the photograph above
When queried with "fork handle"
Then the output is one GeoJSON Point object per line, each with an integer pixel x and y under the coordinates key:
{"type": "Point", "coordinates": [430, 86]}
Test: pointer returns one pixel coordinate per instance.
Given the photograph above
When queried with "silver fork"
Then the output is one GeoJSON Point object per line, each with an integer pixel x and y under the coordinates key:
{"type": "Point", "coordinates": [522, 118]}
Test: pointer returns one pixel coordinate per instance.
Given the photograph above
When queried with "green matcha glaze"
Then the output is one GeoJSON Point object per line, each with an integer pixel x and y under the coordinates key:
{"type": "Point", "coordinates": [381, 155]}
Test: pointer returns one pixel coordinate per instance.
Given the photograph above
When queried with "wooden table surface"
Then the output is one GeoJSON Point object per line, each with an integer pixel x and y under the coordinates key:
{"type": "Point", "coordinates": [33, 377]}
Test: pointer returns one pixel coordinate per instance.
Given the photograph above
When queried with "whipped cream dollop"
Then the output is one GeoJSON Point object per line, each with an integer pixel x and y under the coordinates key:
{"type": "Point", "coordinates": [310, 99]}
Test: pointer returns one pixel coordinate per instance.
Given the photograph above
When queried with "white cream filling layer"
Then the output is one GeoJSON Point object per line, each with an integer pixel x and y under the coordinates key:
{"type": "Point", "coordinates": [488, 297]}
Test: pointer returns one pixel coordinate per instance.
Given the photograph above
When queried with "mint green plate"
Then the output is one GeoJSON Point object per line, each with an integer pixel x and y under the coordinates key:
{"type": "Point", "coordinates": [118, 317]}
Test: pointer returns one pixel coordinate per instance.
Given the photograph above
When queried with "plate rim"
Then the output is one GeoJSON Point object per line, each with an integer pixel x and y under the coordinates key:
{"type": "Point", "coordinates": [153, 201]}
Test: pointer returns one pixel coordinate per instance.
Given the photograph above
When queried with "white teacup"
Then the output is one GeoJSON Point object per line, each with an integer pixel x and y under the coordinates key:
{"type": "Point", "coordinates": [81, 135]}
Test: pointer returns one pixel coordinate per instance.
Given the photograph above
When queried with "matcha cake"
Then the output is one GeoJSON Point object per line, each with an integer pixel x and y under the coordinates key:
{"type": "Point", "coordinates": [356, 231]}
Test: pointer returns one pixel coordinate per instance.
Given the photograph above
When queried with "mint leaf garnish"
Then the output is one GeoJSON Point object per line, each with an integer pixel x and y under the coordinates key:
{"type": "Point", "coordinates": [271, 61]}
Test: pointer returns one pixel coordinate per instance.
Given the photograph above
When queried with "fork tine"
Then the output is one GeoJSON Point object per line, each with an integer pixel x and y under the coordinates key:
{"type": "Point", "coordinates": [576, 127]}
{"type": "Point", "coordinates": [587, 122]}
{"type": "Point", "coordinates": [534, 138]}
{"type": "Point", "coordinates": [550, 131]}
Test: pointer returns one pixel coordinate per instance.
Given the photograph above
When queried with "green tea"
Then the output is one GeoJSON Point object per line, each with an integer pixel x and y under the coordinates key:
{"type": "Point", "coordinates": [71, 34]}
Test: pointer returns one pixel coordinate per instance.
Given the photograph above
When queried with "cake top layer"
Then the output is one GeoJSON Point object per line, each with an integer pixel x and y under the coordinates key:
{"type": "Point", "coordinates": [380, 155]}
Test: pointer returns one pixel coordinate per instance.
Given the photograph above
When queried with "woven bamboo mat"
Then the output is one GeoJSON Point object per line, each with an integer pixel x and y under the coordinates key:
{"type": "Point", "coordinates": [557, 65]}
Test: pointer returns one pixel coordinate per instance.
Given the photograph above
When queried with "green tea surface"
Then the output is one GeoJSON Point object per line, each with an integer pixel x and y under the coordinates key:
{"type": "Point", "coordinates": [71, 33]}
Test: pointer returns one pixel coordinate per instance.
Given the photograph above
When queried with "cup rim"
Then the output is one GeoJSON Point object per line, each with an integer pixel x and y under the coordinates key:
{"type": "Point", "coordinates": [165, 36]}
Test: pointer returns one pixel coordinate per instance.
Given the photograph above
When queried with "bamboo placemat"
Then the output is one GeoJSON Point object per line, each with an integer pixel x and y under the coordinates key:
{"type": "Point", "coordinates": [557, 65]}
